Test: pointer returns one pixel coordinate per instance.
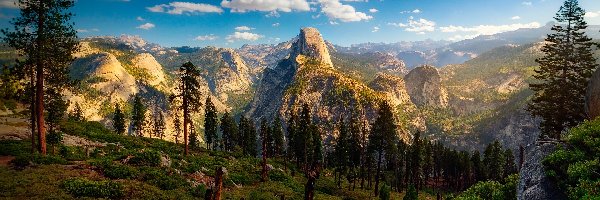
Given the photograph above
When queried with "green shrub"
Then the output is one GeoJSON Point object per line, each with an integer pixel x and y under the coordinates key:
{"type": "Point", "coordinates": [80, 187]}
{"type": "Point", "coordinates": [384, 192]}
{"type": "Point", "coordinates": [162, 179]}
{"type": "Point", "coordinates": [261, 195]}
{"type": "Point", "coordinates": [146, 158]}
{"type": "Point", "coordinates": [198, 191]}
{"type": "Point", "coordinates": [72, 153]}
{"type": "Point", "coordinates": [411, 193]}
{"type": "Point", "coordinates": [24, 160]}
{"type": "Point", "coordinates": [15, 147]}
{"type": "Point", "coordinates": [118, 171]}
{"type": "Point", "coordinates": [575, 168]}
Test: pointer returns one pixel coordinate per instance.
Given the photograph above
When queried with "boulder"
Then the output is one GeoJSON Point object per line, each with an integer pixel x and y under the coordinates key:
{"type": "Point", "coordinates": [533, 182]}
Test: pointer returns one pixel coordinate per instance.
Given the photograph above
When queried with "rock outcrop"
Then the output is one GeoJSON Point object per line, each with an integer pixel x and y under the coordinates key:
{"type": "Point", "coordinates": [592, 98]}
{"type": "Point", "coordinates": [424, 85]}
{"type": "Point", "coordinates": [533, 182]}
{"type": "Point", "coordinates": [148, 63]}
{"type": "Point", "coordinates": [310, 45]}
{"type": "Point", "coordinates": [393, 87]}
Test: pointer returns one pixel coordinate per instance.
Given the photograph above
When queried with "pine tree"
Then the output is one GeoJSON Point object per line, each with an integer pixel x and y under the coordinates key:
{"type": "Point", "coordinates": [411, 193]}
{"type": "Point", "coordinates": [342, 151]}
{"type": "Point", "coordinates": [229, 131]}
{"type": "Point", "coordinates": [210, 124]}
{"type": "Point", "coordinates": [510, 167]}
{"type": "Point", "coordinates": [119, 120]}
{"type": "Point", "coordinates": [303, 137]}
{"type": "Point", "coordinates": [176, 127]}
{"type": "Point", "coordinates": [159, 125]}
{"type": "Point", "coordinates": [278, 138]}
{"type": "Point", "coordinates": [250, 138]}
{"type": "Point", "coordinates": [45, 37]}
{"type": "Point", "coordinates": [138, 116]}
{"type": "Point", "coordinates": [564, 71]}
{"type": "Point", "coordinates": [77, 113]}
{"type": "Point", "coordinates": [57, 107]}
{"type": "Point", "coordinates": [292, 135]}
{"type": "Point", "coordinates": [189, 95]}
{"type": "Point", "coordinates": [264, 137]}
{"type": "Point", "coordinates": [193, 137]}
{"type": "Point", "coordinates": [478, 171]}
{"type": "Point", "coordinates": [383, 138]}
{"type": "Point", "coordinates": [416, 160]}
{"type": "Point", "coordinates": [355, 147]}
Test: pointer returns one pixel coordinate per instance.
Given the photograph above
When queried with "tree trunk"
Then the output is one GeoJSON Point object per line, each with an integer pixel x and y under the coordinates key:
{"type": "Point", "coordinates": [264, 159]}
{"type": "Point", "coordinates": [32, 110]}
{"type": "Point", "coordinates": [218, 184]}
{"type": "Point", "coordinates": [39, 93]}
{"type": "Point", "coordinates": [376, 189]}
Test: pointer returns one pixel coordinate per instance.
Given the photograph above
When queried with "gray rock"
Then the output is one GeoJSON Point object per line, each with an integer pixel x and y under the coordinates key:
{"type": "Point", "coordinates": [533, 182]}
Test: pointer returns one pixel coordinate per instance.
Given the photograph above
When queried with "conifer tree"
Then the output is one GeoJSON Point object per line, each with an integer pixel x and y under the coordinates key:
{"type": "Point", "coordinates": [264, 137]}
{"type": "Point", "coordinates": [189, 95]}
{"type": "Point", "coordinates": [210, 124]}
{"type": "Point", "coordinates": [138, 116]}
{"type": "Point", "coordinates": [292, 135]}
{"type": "Point", "coordinates": [57, 107]}
{"type": "Point", "coordinates": [159, 125]}
{"type": "Point", "coordinates": [77, 113]}
{"type": "Point", "coordinates": [229, 131]}
{"type": "Point", "coordinates": [564, 71]}
{"type": "Point", "coordinates": [342, 151]}
{"type": "Point", "coordinates": [304, 136]}
{"type": "Point", "coordinates": [176, 127]}
{"type": "Point", "coordinates": [118, 120]}
{"type": "Point", "coordinates": [278, 138]}
{"type": "Point", "coordinates": [383, 139]}
{"type": "Point", "coordinates": [193, 140]}
{"type": "Point", "coordinates": [509, 163]}
{"type": "Point", "coordinates": [45, 37]}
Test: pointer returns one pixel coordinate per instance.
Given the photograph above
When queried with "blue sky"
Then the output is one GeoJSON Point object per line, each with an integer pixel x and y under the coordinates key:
{"type": "Point", "coordinates": [232, 23]}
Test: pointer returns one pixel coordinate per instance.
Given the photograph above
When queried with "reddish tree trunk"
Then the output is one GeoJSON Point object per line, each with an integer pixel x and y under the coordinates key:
{"type": "Point", "coordinates": [218, 184]}
{"type": "Point", "coordinates": [39, 93]}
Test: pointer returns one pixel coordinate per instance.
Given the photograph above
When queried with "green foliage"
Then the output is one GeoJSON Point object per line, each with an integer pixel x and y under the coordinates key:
{"type": "Point", "coordinates": [493, 190]}
{"type": "Point", "coordinates": [384, 192]}
{"type": "Point", "coordinates": [411, 193]}
{"type": "Point", "coordinates": [210, 124]}
{"type": "Point", "coordinates": [119, 120]}
{"type": "Point", "coordinates": [73, 153]}
{"type": "Point", "coordinates": [199, 191]}
{"type": "Point", "coordinates": [576, 167]}
{"type": "Point", "coordinates": [146, 158]}
{"type": "Point", "coordinates": [25, 160]}
{"type": "Point", "coordinates": [54, 138]}
{"type": "Point", "coordinates": [81, 187]}
{"type": "Point", "coordinates": [163, 179]}
{"type": "Point", "coordinates": [119, 171]}
{"type": "Point", "coordinates": [138, 116]}
{"type": "Point", "coordinates": [563, 77]}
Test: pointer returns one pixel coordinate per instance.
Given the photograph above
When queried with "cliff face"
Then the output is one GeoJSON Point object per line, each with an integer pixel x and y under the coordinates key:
{"type": "Point", "coordinates": [308, 76]}
{"type": "Point", "coordinates": [592, 98]}
{"type": "Point", "coordinates": [424, 85]}
{"type": "Point", "coordinates": [533, 182]}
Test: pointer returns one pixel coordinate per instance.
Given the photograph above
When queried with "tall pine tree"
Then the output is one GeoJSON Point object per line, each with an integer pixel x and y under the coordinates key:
{"type": "Point", "coordinates": [564, 71]}
{"type": "Point", "coordinates": [138, 116]}
{"type": "Point", "coordinates": [383, 138]}
{"type": "Point", "coordinates": [189, 96]}
{"type": "Point", "coordinates": [44, 35]}
{"type": "Point", "coordinates": [210, 124]}
{"type": "Point", "coordinates": [118, 120]}
{"type": "Point", "coordinates": [278, 138]}
{"type": "Point", "coordinates": [229, 131]}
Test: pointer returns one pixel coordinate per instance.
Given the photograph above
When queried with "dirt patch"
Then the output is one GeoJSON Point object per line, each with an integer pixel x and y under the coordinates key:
{"type": "Point", "coordinates": [5, 160]}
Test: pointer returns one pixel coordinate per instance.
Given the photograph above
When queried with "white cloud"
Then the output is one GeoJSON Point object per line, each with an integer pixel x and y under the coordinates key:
{"type": "Point", "coordinates": [243, 28]}
{"type": "Point", "coordinates": [275, 24]}
{"type": "Point", "coordinates": [146, 26]}
{"type": "Point", "coordinates": [345, 13]}
{"type": "Point", "coordinates": [373, 10]}
{"type": "Point", "coordinates": [356, 0]}
{"type": "Point", "coordinates": [266, 5]}
{"type": "Point", "coordinates": [333, 23]}
{"type": "Point", "coordinates": [8, 4]}
{"type": "Point", "coordinates": [206, 37]}
{"type": "Point", "coordinates": [178, 8]}
{"type": "Point", "coordinates": [515, 17]}
{"type": "Point", "coordinates": [415, 11]}
{"type": "Point", "coordinates": [527, 3]}
{"type": "Point", "coordinates": [420, 26]}
{"type": "Point", "coordinates": [489, 29]}
{"type": "Point", "coordinates": [87, 30]}
{"type": "Point", "coordinates": [243, 36]}
{"type": "Point", "coordinates": [592, 14]}
{"type": "Point", "coordinates": [375, 29]}
{"type": "Point", "coordinates": [461, 37]}
{"type": "Point", "coordinates": [273, 14]}
{"type": "Point", "coordinates": [140, 19]}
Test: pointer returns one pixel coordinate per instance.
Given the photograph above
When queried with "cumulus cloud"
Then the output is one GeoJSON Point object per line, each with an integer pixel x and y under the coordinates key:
{"type": "Point", "coordinates": [243, 28]}
{"type": "Point", "coordinates": [237, 36]}
{"type": "Point", "coordinates": [592, 14]}
{"type": "Point", "coordinates": [461, 37]}
{"type": "Point", "coordinates": [275, 24]}
{"type": "Point", "coordinates": [415, 11]}
{"type": "Point", "coordinates": [488, 29]}
{"type": "Point", "coordinates": [146, 26]}
{"type": "Point", "coordinates": [206, 37]}
{"type": "Point", "coordinates": [373, 10]}
{"type": "Point", "coordinates": [140, 19]}
{"type": "Point", "coordinates": [515, 17]}
{"type": "Point", "coordinates": [420, 26]}
{"type": "Point", "coordinates": [375, 29]}
{"type": "Point", "coordinates": [178, 8]}
{"type": "Point", "coordinates": [266, 5]}
{"type": "Point", "coordinates": [527, 3]}
{"type": "Point", "coordinates": [345, 13]}
{"type": "Point", "coordinates": [8, 4]}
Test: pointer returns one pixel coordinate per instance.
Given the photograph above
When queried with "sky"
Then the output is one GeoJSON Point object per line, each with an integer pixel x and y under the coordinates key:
{"type": "Point", "coordinates": [232, 23]}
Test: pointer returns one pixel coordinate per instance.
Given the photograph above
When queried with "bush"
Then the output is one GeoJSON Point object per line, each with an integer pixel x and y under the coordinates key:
{"type": "Point", "coordinates": [73, 153]}
{"type": "Point", "coordinates": [411, 193]}
{"type": "Point", "coordinates": [118, 171]}
{"type": "Point", "coordinates": [576, 167]}
{"type": "Point", "coordinates": [146, 158]}
{"type": "Point", "coordinates": [80, 187]}
{"type": "Point", "coordinates": [198, 191]}
{"type": "Point", "coordinates": [24, 160]}
{"type": "Point", "coordinates": [260, 195]}
{"type": "Point", "coordinates": [162, 179]}
{"type": "Point", "coordinates": [384, 192]}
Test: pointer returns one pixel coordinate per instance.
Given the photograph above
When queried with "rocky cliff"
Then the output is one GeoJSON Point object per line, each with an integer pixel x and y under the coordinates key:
{"type": "Point", "coordinates": [424, 85]}
{"type": "Point", "coordinates": [533, 182]}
